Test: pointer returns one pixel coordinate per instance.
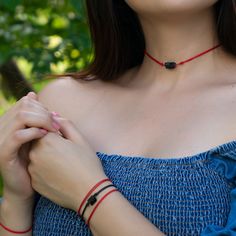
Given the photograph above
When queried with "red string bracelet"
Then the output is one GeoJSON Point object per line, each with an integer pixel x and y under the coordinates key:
{"type": "Point", "coordinates": [99, 202]}
{"type": "Point", "coordinates": [15, 232]}
{"type": "Point", "coordinates": [90, 192]}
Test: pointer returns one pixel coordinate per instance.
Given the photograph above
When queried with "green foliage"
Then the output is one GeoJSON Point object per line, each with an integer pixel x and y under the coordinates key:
{"type": "Point", "coordinates": [43, 37]}
{"type": "Point", "coordinates": [52, 35]}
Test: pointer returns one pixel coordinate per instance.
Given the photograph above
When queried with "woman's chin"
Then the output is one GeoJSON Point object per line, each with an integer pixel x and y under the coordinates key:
{"type": "Point", "coordinates": [162, 7]}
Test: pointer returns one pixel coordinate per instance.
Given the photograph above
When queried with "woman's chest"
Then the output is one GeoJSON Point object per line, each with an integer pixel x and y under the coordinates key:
{"type": "Point", "coordinates": [162, 126]}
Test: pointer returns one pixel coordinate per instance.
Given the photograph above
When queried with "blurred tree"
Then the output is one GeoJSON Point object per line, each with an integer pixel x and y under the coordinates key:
{"type": "Point", "coordinates": [52, 36]}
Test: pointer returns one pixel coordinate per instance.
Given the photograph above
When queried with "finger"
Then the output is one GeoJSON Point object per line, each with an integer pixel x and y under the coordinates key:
{"type": "Point", "coordinates": [68, 129]}
{"type": "Point", "coordinates": [17, 120]}
{"type": "Point", "coordinates": [28, 102]}
{"type": "Point", "coordinates": [34, 119]}
{"type": "Point", "coordinates": [23, 136]}
{"type": "Point", "coordinates": [39, 104]}
{"type": "Point", "coordinates": [35, 106]}
{"type": "Point", "coordinates": [32, 95]}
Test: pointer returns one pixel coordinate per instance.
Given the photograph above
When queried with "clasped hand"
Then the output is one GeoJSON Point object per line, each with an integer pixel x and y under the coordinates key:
{"type": "Point", "coordinates": [64, 167]}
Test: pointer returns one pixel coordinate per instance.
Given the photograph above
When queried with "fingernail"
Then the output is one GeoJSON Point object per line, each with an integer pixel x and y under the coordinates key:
{"type": "Point", "coordinates": [31, 92]}
{"type": "Point", "coordinates": [44, 131]}
{"type": "Point", "coordinates": [55, 113]}
{"type": "Point", "coordinates": [55, 125]}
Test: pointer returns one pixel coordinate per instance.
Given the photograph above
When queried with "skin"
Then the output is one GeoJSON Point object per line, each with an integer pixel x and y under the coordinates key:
{"type": "Point", "coordinates": [177, 113]}
{"type": "Point", "coordinates": [16, 208]}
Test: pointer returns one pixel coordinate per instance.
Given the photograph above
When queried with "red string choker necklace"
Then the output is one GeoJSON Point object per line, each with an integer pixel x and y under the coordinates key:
{"type": "Point", "coordinates": [173, 64]}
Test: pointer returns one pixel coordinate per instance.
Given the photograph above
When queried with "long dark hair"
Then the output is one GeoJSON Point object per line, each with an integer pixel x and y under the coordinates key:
{"type": "Point", "coordinates": [118, 40]}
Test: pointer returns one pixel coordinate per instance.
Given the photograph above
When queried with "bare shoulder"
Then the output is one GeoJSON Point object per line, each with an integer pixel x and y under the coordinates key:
{"type": "Point", "coordinates": [66, 95]}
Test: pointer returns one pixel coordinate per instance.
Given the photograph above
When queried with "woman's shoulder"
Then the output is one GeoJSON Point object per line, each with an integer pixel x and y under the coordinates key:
{"type": "Point", "coordinates": [62, 85]}
{"type": "Point", "coordinates": [64, 94]}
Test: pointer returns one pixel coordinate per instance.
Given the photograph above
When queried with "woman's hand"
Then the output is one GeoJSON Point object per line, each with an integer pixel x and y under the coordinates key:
{"type": "Point", "coordinates": [63, 168]}
{"type": "Point", "coordinates": [18, 126]}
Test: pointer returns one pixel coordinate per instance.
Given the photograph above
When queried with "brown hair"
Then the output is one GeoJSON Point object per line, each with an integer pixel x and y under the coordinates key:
{"type": "Point", "coordinates": [118, 40]}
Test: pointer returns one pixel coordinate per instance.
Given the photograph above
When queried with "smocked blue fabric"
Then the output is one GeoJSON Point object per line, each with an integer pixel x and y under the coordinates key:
{"type": "Point", "coordinates": [191, 195]}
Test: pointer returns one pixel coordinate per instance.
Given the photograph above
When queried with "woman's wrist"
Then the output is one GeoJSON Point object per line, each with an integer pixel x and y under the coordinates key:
{"type": "Point", "coordinates": [94, 197]}
{"type": "Point", "coordinates": [89, 213]}
{"type": "Point", "coordinates": [16, 215]}
{"type": "Point", "coordinates": [80, 193]}
{"type": "Point", "coordinates": [103, 208]}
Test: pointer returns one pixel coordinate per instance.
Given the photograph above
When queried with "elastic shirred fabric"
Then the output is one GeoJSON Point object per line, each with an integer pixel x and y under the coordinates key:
{"type": "Point", "coordinates": [181, 196]}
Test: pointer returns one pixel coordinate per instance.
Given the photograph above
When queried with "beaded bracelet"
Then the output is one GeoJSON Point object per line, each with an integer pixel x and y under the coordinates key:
{"type": "Point", "coordinates": [15, 232]}
{"type": "Point", "coordinates": [93, 199]}
{"type": "Point", "coordinates": [90, 192]}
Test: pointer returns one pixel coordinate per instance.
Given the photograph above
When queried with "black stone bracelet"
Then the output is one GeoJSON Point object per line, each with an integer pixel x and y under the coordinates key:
{"type": "Point", "coordinates": [93, 199]}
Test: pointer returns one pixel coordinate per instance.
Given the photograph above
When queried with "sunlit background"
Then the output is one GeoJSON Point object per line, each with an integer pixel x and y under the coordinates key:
{"type": "Point", "coordinates": [38, 38]}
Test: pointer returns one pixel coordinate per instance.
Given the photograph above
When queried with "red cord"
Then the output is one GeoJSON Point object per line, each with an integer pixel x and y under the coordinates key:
{"type": "Point", "coordinates": [198, 55]}
{"type": "Point", "coordinates": [154, 59]}
{"type": "Point", "coordinates": [90, 192]}
{"type": "Point", "coordinates": [182, 62]}
{"type": "Point", "coordinates": [15, 232]}
{"type": "Point", "coordinates": [94, 209]}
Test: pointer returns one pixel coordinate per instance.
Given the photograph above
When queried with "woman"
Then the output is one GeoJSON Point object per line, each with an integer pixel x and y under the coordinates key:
{"type": "Point", "coordinates": [162, 133]}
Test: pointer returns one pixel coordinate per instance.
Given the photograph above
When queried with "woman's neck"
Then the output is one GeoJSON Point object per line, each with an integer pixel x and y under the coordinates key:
{"type": "Point", "coordinates": [177, 38]}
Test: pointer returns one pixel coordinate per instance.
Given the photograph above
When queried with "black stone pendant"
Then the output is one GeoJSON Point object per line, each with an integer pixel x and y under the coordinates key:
{"type": "Point", "coordinates": [170, 65]}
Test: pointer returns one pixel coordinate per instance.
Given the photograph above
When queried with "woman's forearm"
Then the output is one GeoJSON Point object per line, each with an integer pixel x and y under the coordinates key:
{"type": "Point", "coordinates": [16, 215]}
{"type": "Point", "coordinates": [116, 216]}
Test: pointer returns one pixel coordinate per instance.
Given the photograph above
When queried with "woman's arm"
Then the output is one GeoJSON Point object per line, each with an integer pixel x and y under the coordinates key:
{"type": "Point", "coordinates": [16, 215]}
{"type": "Point", "coordinates": [117, 217]}
{"type": "Point", "coordinates": [22, 123]}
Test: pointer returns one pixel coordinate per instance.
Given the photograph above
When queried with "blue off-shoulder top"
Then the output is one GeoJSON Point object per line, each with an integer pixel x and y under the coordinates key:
{"type": "Point", "coordinates": [189, 195]}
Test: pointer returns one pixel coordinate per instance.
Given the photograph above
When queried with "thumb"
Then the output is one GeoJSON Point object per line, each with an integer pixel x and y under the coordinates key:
{"type": "Point", "coordinates": [68, 129]}
{"type": "Point", "coordinates": [32, 95]}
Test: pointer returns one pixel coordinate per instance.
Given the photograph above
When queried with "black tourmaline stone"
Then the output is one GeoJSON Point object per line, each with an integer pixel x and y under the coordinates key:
{"type": "Point", "coordinates": [92, 200]}
{"type": "Point", "coordinates": [170, 65]}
